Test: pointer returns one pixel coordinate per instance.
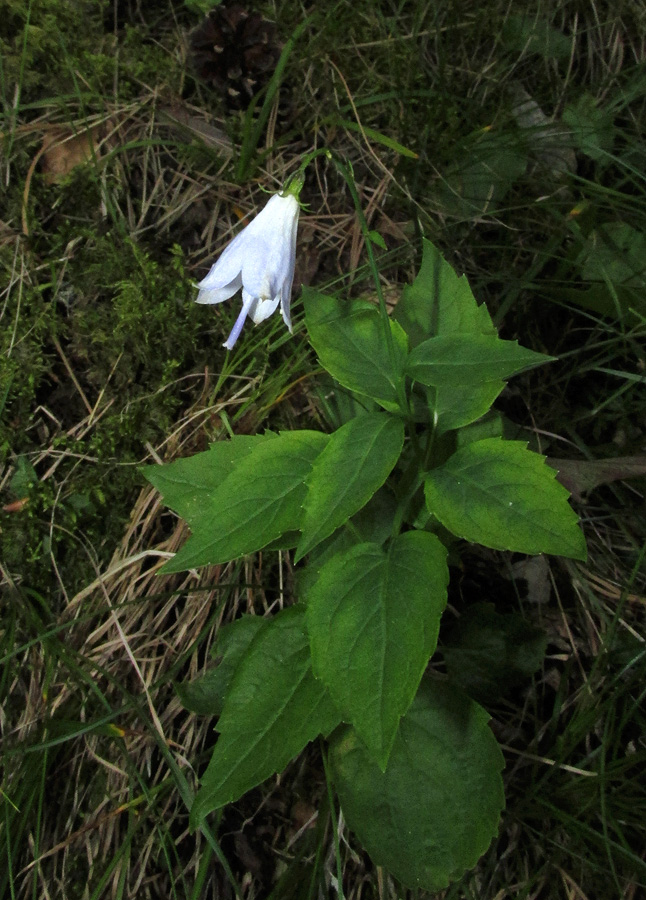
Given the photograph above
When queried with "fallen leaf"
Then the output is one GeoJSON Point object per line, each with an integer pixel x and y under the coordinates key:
{"type": "Point", "coordinates": [580, 476]}
{"type": "Point", "coordinates": [63, 149]}
{"type": "Point", "coordinates": [535, 570]}
{"type": "Point", "coordinates": [15, 505]}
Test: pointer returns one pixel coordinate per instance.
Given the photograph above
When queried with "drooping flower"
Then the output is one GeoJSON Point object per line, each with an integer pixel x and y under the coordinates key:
{"type": "Point", "coordinates": [260, 260]}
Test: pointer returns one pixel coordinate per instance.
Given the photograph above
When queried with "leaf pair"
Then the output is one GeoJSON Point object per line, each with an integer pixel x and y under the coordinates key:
{"type": "Point", "coordinates": [244, 494]}
{"type": "Point", "coordinates": [466, 373]}
{"type": "Point", "coordinates": [239, 496]}
{"type": "Point", "coordinates": [427, 816]}
{"type": "Point", "coordinates": [367, 632]}
{"type": "Point", "coordinates": [456, 353]}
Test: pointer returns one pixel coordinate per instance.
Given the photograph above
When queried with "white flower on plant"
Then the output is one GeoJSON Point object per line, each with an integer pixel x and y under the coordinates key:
{"type": "Point", "coordinates": [260, 260]}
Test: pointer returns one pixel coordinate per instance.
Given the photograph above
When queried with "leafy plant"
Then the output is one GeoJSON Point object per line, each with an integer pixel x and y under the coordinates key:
{"type": "Point", "coordinates": [369, 509]}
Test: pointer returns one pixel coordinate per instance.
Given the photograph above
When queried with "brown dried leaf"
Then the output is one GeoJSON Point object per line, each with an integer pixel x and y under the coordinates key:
{"type": "Point", "coordinates": [580, 476]}
{"type": "Point", "coordinates": [62, 150]}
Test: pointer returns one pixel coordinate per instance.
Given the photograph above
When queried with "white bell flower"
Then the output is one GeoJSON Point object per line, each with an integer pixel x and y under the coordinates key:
{"type": "Point", "coordinates": [260, 260]}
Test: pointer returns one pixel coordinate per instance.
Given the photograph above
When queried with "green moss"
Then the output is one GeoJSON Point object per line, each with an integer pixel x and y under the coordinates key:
{"type": "Point", "coordinates": [129, 332]}
{"type": "Point", "coordinates": [60, 50]}
{"type": "Point", "coordinates": [36, 37]}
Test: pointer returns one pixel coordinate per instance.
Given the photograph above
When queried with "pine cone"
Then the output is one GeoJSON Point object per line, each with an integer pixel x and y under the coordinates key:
{"type": "Point", "coordinates": [235, 50]}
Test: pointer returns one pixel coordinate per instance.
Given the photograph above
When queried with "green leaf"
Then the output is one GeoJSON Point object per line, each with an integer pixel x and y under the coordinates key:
{"type": "Point", "coordinates": [615, 252]}
{"type": "Point", "coordinates": [592, 127]}
{"type": "Point", "coordinates": [460, 404]}
{"type": "Point", "coordinates": [377, 239]}
{"type": "Point", "coordinates": [533, 34]}
{"type": "Point", "coordinates": [439, 302]}
{"type": "Point", "coordinates": [488, 654]}
{"type": "Point", "coordinates": [274, 707]}
{"type": "Point", "coordinates": [500, 494]}
{"type": "Point", "coordinates": [467, 359]}
{"type": "Point", "coordinates": [467, 372]}
{"type": "Point", "coordinates": [354, 465]}
{"type": "Point", "coordinates": [186, 484]}
{"type": "Point", "coordinates": [482, 174]}
{"type": "Point", "coordinates": [373, 618]}
{"type": "Point", "coordinates": [373, 135]}
{"type": "Point", "coordinates": [436, 808]}
{"type": "Point", "coordinates": [205, 696]}
{"type": "Point", "coordinates": [256, 503]}
{"type": "Point", "coordinates": [348, 336]}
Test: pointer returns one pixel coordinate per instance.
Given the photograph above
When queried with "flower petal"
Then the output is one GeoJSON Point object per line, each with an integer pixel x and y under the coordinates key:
{"type": "Point", "coordinates": [218, 294]}
{"type": "Point", "coordinates": [263, 309]}
{"type": "Point", "coordinates": [258, 269]}
{"type": "Point", "coordinates": [286, 291]}
{"type": "Point", "coordinates": [228, 265]}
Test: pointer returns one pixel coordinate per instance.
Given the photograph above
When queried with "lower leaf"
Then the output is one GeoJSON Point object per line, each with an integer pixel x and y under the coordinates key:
{"type": "Point", "coordinates": [373, 618]}
{"type": "Point", "coordinates": [435, 809]}
{"type": "Point", "coordinates": [274, 707]}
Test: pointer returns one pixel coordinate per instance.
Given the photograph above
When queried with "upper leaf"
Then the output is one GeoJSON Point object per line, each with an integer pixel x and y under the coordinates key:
{"type": "Point", "coordinates": [373, 619]}
{"type": "Point", "coordinates": [356, 462]}
{"type": "Point", "coordinates": [348, 336]}
{"type": "Point", "coordinates": [439, 302]}
{"type": "Point", "coordinates": [456, 405]}
{"type": "Point", "coordinates": [274, 707]}
{"type": "Point", "coordinates": [466, 372]}
{"type": "Point", "coordinates": [453, 359]}
{"type": "Point", "coordinates": [256, 503]}
{"type": "Point", "coordinates": [435, 809]}
{"type": "Point", "coordinates": [500, 494]}
{"type": "Point", "coordinates": [440, 305]}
